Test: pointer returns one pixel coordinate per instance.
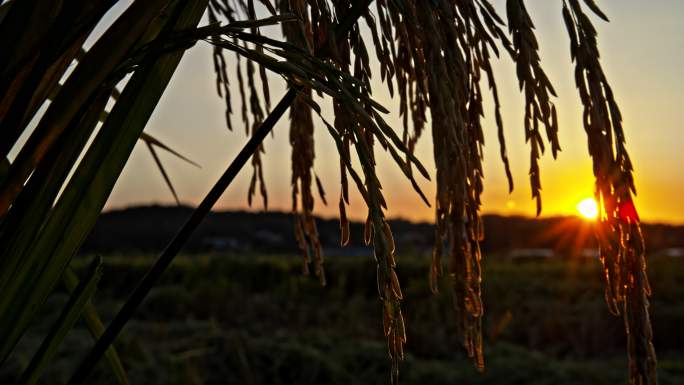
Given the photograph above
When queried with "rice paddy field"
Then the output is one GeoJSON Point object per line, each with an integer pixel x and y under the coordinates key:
{"type": "Point", "coordinates": [229, 319]}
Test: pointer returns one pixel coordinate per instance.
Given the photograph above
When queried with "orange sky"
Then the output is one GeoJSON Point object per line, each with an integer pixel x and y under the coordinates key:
{"type": "Point", "coordinates": [642, 53]}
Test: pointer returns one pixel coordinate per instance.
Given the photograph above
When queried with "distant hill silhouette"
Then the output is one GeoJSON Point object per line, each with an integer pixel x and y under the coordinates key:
{"type": "Point", "coordinates": [147, 229]}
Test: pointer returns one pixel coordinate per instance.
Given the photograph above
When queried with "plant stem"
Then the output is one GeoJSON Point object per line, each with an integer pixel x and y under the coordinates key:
{"type": "Point", "coordinates": [165, 259]}
{"type": "Point", "coordinates": [179, 240]}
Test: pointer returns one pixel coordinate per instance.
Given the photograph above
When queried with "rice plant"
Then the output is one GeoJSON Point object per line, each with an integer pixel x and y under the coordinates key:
{"type": "Point", "coordinates": [434, 55]}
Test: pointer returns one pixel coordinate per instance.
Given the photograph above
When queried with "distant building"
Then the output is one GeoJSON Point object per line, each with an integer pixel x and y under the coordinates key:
{"type": "Point", "coordinates": [673, 252]}
{"type": "Point", "coordinates": [268, 237]}
{"type": "Point", "coordinates": [521, 255]}
{"type": "Point", "coordinates": [224, 244]}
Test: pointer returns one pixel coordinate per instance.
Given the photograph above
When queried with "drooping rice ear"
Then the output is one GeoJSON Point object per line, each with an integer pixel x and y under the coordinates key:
{"type": "Point", "coordinates": [220, 70]}
{"type": "Point", "coordinates": [537, 89]}
{"type": "Point", "coordinates": [302, 144]}
{"type": "Point", "coordinates": [433, 58]}
{"type": "Point", "coordinates": [621, 243]}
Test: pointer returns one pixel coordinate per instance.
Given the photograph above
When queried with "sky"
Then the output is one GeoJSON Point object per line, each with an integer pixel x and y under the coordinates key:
{"type": "Point", "coordinates": [642, 54]}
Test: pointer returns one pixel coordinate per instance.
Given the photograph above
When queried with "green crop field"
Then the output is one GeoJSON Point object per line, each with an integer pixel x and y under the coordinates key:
{"type": "Point", "coordinates": [226, 319]}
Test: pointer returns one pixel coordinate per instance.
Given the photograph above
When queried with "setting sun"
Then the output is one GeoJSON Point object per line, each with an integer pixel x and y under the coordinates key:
{"type": "Point", "coordinates": [588, 208]}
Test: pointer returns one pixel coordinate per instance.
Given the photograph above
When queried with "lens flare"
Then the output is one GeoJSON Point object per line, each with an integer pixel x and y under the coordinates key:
{"type": "Point", "coordinates": [588, 208]}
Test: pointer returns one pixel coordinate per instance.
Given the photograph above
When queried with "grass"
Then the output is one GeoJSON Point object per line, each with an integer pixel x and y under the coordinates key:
{"type": "Point", "coordinates": [257, 320]}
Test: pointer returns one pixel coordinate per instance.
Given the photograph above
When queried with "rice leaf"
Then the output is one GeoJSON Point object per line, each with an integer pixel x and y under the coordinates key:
{"type": "Point", "coordinates": [96, 328]}
{"type": "Point", "coordinates": [100, 61]}
{"type": "Point", "coordinates": [163, 172]}
{"type": "Point", "coordinates": [33, 204]}
{"type": "Point", "coordinates": [83, 198]}
{"type": "Point", "coordinates": [67, 318]}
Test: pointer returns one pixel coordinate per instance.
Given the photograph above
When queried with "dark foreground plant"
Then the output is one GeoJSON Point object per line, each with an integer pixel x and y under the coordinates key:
{"type": "Point", "coordinates": [434, 55]}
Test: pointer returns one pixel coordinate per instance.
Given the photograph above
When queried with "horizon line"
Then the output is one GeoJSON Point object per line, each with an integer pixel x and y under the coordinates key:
{"type": "Point", "coordinates": [391, 218]}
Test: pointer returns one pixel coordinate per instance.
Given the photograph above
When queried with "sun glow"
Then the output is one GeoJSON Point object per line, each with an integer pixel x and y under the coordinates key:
{"type": "Point", "coordinates": [588, 208]}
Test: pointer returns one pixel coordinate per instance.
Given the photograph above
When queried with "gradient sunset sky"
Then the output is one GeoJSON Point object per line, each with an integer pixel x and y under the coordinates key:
{"type": "Point", "coordinates": [642, 53]}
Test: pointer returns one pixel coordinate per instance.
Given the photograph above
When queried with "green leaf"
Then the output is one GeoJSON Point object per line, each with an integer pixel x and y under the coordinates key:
{"type": "Point", "coordinates": [96, 328]}
{"type": "Point", "coordinates": [38, 57]}
{"type": "Point", "coordinates": [84, 196]}
{"type": "Point", "coordinates": [149, 139]}
{"type": "Point", "coordinates": [29, 211]}
{"type": "Point", "coordinates": [163, 172]}
{"type": "Point", "coordinates": [70, 314]}
{"type": "Point", "coordinates": [151, 142]}
{"type": "Point", "coordinates": [89, 76]}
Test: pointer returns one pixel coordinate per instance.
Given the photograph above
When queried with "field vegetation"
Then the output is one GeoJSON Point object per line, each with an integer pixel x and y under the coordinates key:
{"type": "Point", "coordinates": [62, 150]}
{"type": "Point", "coordinates": [250, 319]}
